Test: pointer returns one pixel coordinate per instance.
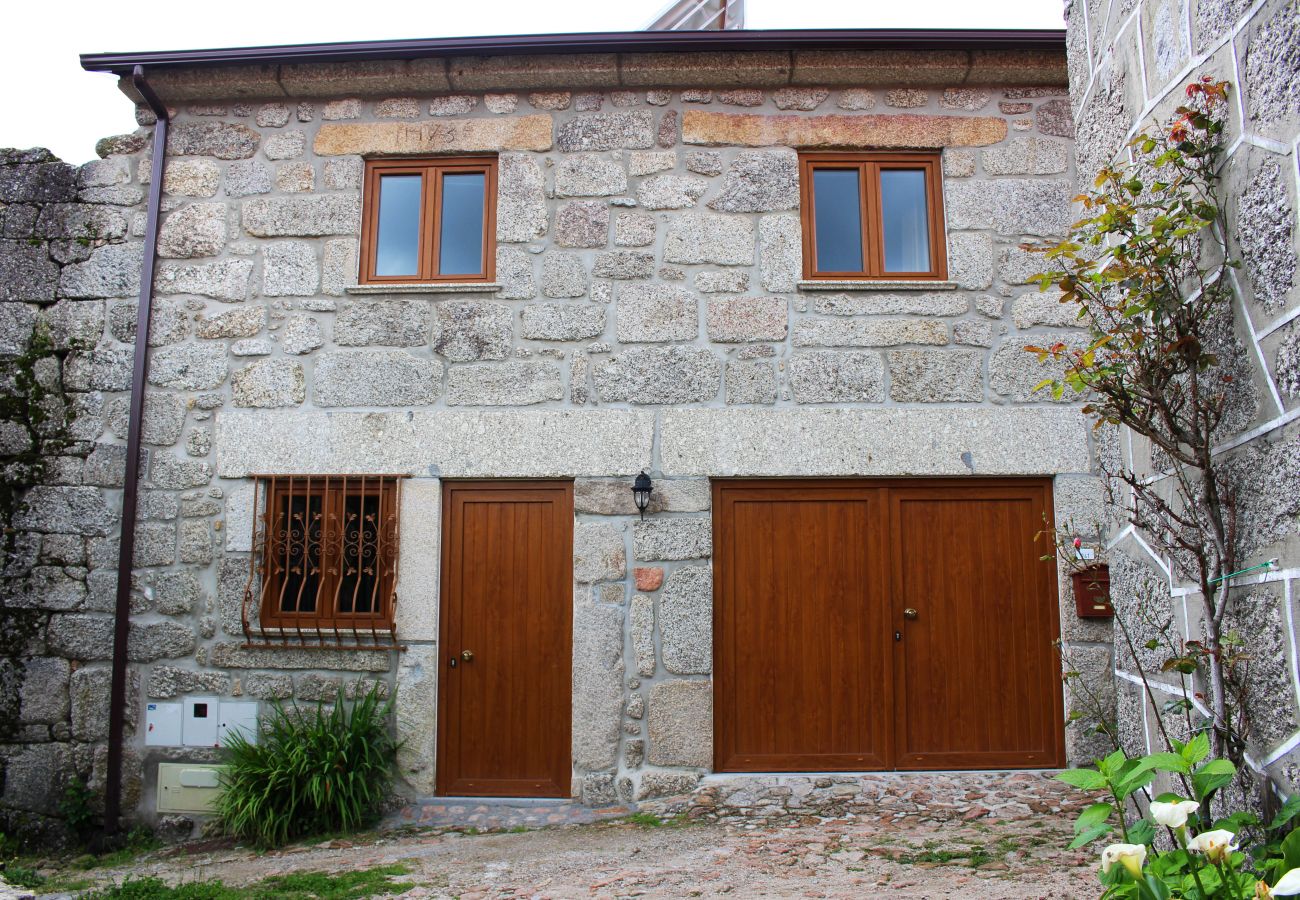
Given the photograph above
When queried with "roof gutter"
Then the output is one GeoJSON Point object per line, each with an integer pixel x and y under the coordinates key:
{"type": "Point", "coordinates": [131, 483]}
{"type": "Point", "coordinates": [596, 42]}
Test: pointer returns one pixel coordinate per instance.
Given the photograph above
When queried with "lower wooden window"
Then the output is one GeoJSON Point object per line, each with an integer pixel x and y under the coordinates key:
{"type": "Point", "coordinates": [326, 556]}
{"type": "Point", "coordinates": [872, 215]}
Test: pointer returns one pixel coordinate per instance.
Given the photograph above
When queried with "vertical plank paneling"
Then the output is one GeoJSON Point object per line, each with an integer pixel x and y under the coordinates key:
{"type": "Point", "coordinates": [504, 715]}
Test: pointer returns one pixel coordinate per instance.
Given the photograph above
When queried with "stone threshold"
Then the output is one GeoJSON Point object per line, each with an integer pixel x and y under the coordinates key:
{"type": "Point", "coordinates": [500, 813]}
{"type": "Point", "coordinates": [874, 285]}
{"type": "Point", "coordinates": [485, 287]}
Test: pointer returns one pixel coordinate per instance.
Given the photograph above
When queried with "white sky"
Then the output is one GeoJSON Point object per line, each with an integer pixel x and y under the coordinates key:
{"type": "Point", "coordinates": [51, 102]}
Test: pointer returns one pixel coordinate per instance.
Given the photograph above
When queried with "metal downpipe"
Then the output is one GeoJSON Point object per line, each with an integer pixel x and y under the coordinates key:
{"type": "Point", "coordinates": [131, 482]}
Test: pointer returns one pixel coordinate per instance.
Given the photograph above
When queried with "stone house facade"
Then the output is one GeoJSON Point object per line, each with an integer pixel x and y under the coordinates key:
{"type": "Point", "coordinates": [1129, 65]}
{"type": "Point", "coordinates": [650, 311]}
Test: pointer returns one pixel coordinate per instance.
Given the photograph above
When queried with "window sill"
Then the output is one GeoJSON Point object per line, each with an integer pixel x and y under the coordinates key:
{"type": "Point", "coordinates": [873, 285]}
{"type": "Point", "coordinates": [439, 287]}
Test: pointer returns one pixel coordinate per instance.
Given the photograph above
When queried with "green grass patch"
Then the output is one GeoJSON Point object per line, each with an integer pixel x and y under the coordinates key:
{"type": "Point", "coordinates": [650, 820]}
{"type": "Point", "coordinates": [354, 885]}
{"type": "Point", "coordinates": [974, 856]}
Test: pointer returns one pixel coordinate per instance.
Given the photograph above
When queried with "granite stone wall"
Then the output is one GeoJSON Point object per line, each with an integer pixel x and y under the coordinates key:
{"type": "Point", "coordinates": [1129, 63]}
{"type": "Point", "coordinates": [648, 312]}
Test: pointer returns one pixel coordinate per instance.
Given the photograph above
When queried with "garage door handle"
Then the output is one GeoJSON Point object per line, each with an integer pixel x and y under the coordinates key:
{"type": "Point", "coordinates": [909, 613]}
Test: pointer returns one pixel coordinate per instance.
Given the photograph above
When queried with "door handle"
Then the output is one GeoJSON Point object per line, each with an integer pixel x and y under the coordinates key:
{"type": "Point", "coordinates": [467, 655]}
{"type": "Point", "coordinates": [909, 613]}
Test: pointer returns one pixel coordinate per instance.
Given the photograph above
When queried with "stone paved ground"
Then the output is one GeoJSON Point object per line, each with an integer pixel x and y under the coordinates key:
{"type": "Point", "coordinates": [830, 858]}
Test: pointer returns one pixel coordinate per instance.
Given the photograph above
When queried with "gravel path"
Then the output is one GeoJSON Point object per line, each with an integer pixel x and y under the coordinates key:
{"type": "Point", "coordinates": [836, 858]}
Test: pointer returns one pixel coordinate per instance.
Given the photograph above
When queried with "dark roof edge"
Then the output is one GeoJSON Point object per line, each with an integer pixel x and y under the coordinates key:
{"type": "Point", "coordinates": [596, 42]}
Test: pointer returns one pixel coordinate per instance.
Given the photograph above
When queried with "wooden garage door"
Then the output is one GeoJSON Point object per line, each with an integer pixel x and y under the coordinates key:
{"type": "Point", "coordinates": [506, 628]}
{"type": "Point", "coordinates": [884, 624]}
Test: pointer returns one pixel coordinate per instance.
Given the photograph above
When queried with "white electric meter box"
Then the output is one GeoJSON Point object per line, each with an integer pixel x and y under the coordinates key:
{"type": "Point", "coordinates": [199, 726]}
{"type": "Point", "coordinates": [188, 787]}
{"type": "Point", "coordinates": [162, 724]}
{"type": "Point", "coordinates": [238, 717]}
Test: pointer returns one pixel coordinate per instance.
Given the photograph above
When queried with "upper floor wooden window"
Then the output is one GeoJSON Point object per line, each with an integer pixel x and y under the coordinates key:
{"type": "Point", "coordinates": [328, 554]}
{"type": "Point", "coordinates": [872, 216]}
{"type": "Point", "coordinates": [429, 220]}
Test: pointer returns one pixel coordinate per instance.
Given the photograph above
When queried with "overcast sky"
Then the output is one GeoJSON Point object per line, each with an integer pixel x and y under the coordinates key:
{"type": "Point", "coordinates": [51, 102]}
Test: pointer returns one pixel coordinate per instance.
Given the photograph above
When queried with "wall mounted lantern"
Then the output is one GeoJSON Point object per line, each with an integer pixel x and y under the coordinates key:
{"type": "Point", "coordinates": [641, 492]}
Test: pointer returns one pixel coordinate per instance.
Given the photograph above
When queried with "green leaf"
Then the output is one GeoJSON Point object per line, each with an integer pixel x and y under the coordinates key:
{"type": "Point", "coordinates": [1083, 779]}
{"type": "Point", "coordinates": [1092, 816]}
{"type": "Point", "coordinates": [1143, 832]}
{"type": "Point", "coordinates": [1092, 834]}
{"type": "Point", "coordinates": [1211, 776]}
{"type": "Point", "coordinates": [1290, 809]}
{"type": "Point", "coordinates": [1167, 762]}
{"type": "Point", "coordinates": [1196, 749]}
{"type": "Point", "coordinates": [1291, 850]}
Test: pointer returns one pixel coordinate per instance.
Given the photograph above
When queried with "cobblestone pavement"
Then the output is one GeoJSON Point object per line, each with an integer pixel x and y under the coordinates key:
{"type": "Point", "coordinates": [846, 857]}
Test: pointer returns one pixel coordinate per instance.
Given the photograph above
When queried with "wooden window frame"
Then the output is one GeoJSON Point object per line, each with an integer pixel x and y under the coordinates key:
{"type": "Point", "coordinates": [334, 491]}
{"type": "Point", "coordinates": [431, 170]}
{"type": "Point", "coordinates": [868, 166]}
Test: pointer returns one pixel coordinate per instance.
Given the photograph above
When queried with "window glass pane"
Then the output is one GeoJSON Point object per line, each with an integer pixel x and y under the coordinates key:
{"type": "Point", "coordinates": [460, 251]}
{"type": "Point", "coordinates": [359, 591]}
{"type": "Point", "coordinates": [838, 211]}
{"type": "Point", "coordinates": [906, 220]}
{"type": "Point", "coordinates": [397, 246]}
{"type": "Point", "coordinates": [296, 539]}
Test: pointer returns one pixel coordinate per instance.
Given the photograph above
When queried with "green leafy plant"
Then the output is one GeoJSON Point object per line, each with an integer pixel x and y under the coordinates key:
{"type": "Point", "coordinates": [1203, 858]}
{"type": "Point", "coordinates": [314, 772]}
{"type": "Point", "coordinates": [351, 885]}
{"type": "Point", "coordinates": [77, 807]}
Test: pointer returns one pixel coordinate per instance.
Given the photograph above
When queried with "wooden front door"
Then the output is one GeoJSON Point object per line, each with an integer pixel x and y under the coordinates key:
{"type": "Point", "coordinates": [506, 629]}
{"type": "Point", "coordinates": [878, 624]}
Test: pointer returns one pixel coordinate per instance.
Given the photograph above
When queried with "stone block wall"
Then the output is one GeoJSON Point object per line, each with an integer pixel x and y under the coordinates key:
{"type": "Point", "coordinates": [1129, 63]}
{"type": "Point", "coordinates": [648, 314]}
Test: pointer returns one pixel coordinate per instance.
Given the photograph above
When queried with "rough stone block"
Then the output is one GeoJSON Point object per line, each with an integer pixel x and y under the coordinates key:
{"type": "Point", "coordinates": [504, 384]}
{"type": "Point", "coordinates": [634, 230]}
{"type": "Point", "coordinates": [624, 265]}
{"type": "Point", "coordinates": [659, 375]}
{"type": "Point", "coordinates": [468, 330]}
{"type": "Point", "coordinates": [686, 621]}
{"type": "Point", "coordinates": [112, 271]}
{"type": "Point", "coordinates": [837, 377]}
{"type": "Point", "coordinates": [760, 181]}
{"type": "Point", "coordinates": [750, 381]}
{"type": "Point", "coordinates": [680, 720]}
{"type": "Point", "coordinates": [582, 223]}
{"type": "Point", "coordinates": [598, 671]}
{"type": "Point", "coordinates": [589, 175]}
{"type": "Point", "coordinates": [1011, 206]}
{"type": "Point", "coordinates": [936, 376]}
{"type": "Point", "coordinates": [189, 367]}
{"type": "Point", "coordinates": [598, 553]}
{"type": "Point", "coordinates": [376, 378]}
{"type": "Point", "coordinates": [197, 229]}
{"type": "Point", "coordinates": [672, 539]}
{"type": "Point", "coordinates": [384, 323]}
{"type": "Point", "coordinates": [327, 214]}
{"type": "Point", "coordinates": [226, 279]}
{"type": "Point", "coordinates": [223, 140]}
{"type": "Point", "coordinates": [739, 319]}
{"type": "Point", "coordinates": [562, 321]}
{"type": "Point", "coordinates": [269, 383]}
{"type": "Point", "coordinates": [670, 191]}
{"type": "Point", "coordinates": [606, 131]}
{"type": "Point", "coordinates": [695, 238]}
{"type": "Point", "coordinates": [1014, 372]}
{"type": "Point", "coordinates": [1027, 156]}
{"type": "Point", "coordinates": [904, 130]}
{"type": "Point", "coordinates": [815, 332]}
{"type": "Point", "coordinates": [655, 312]}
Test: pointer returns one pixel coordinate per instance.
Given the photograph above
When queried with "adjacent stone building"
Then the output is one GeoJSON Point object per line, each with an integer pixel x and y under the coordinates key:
{"type": "Point", "coordinates": [649, 309]}
{"type": "Point", "coordinates": [1129, 65]}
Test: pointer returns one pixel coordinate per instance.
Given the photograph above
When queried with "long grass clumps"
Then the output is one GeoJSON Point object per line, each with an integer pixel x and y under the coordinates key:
{"type": "Point", "coordinates": [311, 772]}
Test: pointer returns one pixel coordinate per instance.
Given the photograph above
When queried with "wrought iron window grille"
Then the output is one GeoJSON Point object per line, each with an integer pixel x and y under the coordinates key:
{"type": "Point", "coordinates": [322, 574]}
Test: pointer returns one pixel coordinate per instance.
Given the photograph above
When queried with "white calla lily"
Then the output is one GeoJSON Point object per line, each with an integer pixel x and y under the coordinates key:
{"type": "Point", "coordinates": [1173, 815]}
{"type": "Point", "coordinates": [1214, 844]}
{"type": "Point", "coordinates": [1288, 885]}
{"type": "Point", "coordinates": [1130, 856]}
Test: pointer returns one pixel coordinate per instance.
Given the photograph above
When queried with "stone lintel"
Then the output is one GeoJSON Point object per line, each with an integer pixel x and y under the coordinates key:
{"type": "Point", "coordinates": [449, 136]}
{"type": "Point", "coordinates": [224, 83]}
{"type": "Point", "coordinates": [714, 129]}
{"type": "Point", "coordinates": [446, 443]}
{"type": "Point", "coordinates": [874, 442]}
